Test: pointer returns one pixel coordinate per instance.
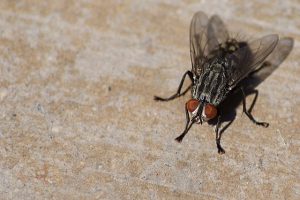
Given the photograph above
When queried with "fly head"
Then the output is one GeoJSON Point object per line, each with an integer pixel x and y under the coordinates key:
{"type": "Point", "coordinates": [201, 111]}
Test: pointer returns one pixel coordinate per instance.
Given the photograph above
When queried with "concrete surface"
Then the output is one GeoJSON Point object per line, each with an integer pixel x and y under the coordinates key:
{"type": "Point", "coordinates": [78, 120]}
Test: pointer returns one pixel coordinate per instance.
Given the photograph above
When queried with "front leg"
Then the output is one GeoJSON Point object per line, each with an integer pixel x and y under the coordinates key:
{"type": "Point", "coordinates": [178, 93]}
{"type": "Point", "coordinates": [218, 136]}
{"type": "Point", "coordinates": [187, 125]}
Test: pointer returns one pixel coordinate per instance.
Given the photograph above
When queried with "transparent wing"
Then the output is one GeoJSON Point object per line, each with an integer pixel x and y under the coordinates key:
{"type": "Point", "coordinates": [198, 40]}
{"type": "Point", "coordinates": [248, 58]}
{"type": "Point", "coordinates": [216, 32]}
{"type": "Point", "coordinates": [280, 53]}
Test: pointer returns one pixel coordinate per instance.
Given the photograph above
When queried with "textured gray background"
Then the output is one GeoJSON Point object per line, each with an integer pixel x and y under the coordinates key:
{"type": "Point", "coordinates": [78, 120]}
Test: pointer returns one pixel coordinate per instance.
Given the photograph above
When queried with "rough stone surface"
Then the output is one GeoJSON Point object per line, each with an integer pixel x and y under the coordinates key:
{"type": "Point", "coordinates": [78, 120]}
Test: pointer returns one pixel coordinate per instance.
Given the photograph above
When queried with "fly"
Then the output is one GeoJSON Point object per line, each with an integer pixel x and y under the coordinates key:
{"type": "Point", "coordinates": [219, 66]}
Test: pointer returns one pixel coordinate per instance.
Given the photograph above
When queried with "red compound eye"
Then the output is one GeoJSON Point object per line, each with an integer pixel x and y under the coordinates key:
{"type": "Point", "coordinates": [210, 111]}
{"type": "Point", "coordinates": [192, 105]}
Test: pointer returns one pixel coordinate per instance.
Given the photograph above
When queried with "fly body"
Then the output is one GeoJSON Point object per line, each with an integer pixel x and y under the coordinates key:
{"type": "Point", "coordinates": [219, 66]}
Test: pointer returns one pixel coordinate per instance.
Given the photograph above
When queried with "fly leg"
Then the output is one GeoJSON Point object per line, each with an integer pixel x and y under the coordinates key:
{"type": "Point", "coordinates": [188, 125]}
{"type": "Point", "coordinates": [218, 136]}
{"type": "Point", "coordinates": [248, 112]}
{"type": "Point", "coordinates": [178, 93]}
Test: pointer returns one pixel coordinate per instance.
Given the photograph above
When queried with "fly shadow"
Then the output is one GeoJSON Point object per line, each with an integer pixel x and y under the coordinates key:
{"type": "Point", "coordinates": [229, 105]}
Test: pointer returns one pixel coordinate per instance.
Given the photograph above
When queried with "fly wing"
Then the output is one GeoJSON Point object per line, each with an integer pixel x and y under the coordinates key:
{"type": "Point", "coordinates": [216, 32]}
{"type": "Point", "coordinates": [198, 40]}
{"type": "Point", "coordinates": [280, 53]}
{"type": "Point", "coordinates": [249, 57]}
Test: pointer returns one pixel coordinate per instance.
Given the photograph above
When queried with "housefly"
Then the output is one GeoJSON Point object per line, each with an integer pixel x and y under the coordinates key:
{"type": "Point", "coordinates": [219, 66]}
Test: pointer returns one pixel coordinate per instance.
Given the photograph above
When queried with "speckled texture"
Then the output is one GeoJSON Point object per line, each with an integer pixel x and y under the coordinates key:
{"type": "Point", "coordinates": [78, 120]}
